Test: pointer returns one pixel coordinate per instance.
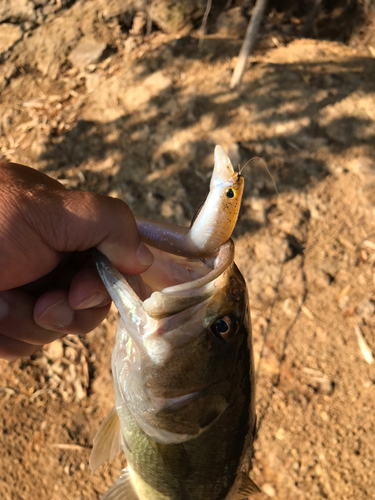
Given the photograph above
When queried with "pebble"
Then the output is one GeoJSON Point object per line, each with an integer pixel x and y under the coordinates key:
{"type": "Point", "coordinates": [269, 490]}
{"type": "Point", "coordinates": [88, 51]}
{"type": "Point", "coordinates": [17, 11]}
{"type": "Point", "coordinates": [343, 302]}
{"type": "Point", "coordinates": [92, 81]}
{"type": "Point", "coordinates": [366, 309]}
{"type": "Point", "coordinates": [171, 16]}
{"type": "Point", "coordinates": [55, 349]}
{"type": "Point", "coordinates": [9, 35]}
{"type": "Point", "coordinates": [280, 434]}
{"type": "Point", "coordinates": [324, 416]}
{"type": "Point", "coordinates": [296, 465]}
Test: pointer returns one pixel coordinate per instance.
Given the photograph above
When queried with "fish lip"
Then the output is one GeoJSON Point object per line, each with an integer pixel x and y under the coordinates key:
{"type": "Point", "coordinates": [171, 300]}
{"type": "Point", "coordinates": [222, 260]}
{"type": "Point", "coordinates": [177, 298]}
{"type": "Point", "coordinates": [110, 276]}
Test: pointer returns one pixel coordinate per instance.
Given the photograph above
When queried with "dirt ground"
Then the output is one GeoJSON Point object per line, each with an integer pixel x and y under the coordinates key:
{"type": "Point", "coordinates": [140, 122]}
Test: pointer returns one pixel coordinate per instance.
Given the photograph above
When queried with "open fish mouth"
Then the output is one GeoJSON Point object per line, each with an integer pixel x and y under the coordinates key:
{"type": "Point", "coordinates": [171, 285]}
{"type": "Point", "coordinates": [165, 330]}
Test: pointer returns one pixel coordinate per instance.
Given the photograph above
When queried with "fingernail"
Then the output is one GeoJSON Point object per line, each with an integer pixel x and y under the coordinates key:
{"type": "Point", "coordinates": [96, 300]}
{"type": "Point", "coordinates": [4, 308]}
{"type": "Point", "coordinates": [58, 315]}
{"type": "Point", "coordinates": [144, 255]}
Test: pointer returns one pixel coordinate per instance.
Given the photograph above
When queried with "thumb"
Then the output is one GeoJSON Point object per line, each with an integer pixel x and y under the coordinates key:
{"type": "Point", "coordinates": [91, 220]}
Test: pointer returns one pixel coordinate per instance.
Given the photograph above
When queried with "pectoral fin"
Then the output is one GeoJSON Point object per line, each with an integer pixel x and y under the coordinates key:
{"type": "Point", "coordinates": [107, 441]}
{"type": "Point", "coordinates": [121, 489]}
{"type": "Point", "coordinates": [246, 488]}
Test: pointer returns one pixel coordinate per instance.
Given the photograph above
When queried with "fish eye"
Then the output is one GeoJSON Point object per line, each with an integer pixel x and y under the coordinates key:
{"type": "Point", "coordinates": [224, 328]}
{"type": "Point", "coordinates": [231, 193]}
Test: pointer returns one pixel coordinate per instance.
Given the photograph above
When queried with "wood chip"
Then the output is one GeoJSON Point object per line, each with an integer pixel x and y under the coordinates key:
{"type": "Point", "coordinates": [67, 446]}
{"type": "Point", "coordinates": [365, 349]}
{"type": "Point", "coordinates": [324, 384]}
{"type": "Point", "coordinates": [307, 311]}
{"type": "Point", "coordinates": [369, 244]}
{"type": "Point", "coordinates": [344, 291]}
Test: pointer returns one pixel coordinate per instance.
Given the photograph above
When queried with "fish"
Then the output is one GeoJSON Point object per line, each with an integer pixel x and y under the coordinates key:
{"type": "Point", "coordinates": [182, 363]}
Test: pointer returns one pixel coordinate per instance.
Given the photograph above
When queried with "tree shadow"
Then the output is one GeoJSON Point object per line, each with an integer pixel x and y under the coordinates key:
{"type": "Point", "coordinates": [289, 114]}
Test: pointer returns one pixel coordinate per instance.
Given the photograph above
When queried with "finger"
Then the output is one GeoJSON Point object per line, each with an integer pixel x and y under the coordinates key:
{"type": "Point", "coordinates": [87, 290]}
{"type": "Point", "coordinates": [18, 321]}
{"type": "Point", "coordinates": [12, 349]}
{"type": "Point", "coordinates": [86, 220]}
{"type": "Point", "coordinates": [53, 312]}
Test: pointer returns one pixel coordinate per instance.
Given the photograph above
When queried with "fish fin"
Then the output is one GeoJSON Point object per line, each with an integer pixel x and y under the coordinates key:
{"type": "Point", "coordinates": [121, 489]}
{"type": "Point", "coordinates": [107, 441]}
{"type": "Point", "coordinates": [246, 488]}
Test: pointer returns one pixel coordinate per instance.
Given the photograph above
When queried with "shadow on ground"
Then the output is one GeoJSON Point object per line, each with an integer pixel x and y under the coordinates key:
{"type": "Point", "coordinates": [285, 113]}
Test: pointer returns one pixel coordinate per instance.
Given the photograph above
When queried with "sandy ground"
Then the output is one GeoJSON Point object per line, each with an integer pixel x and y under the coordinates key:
{"type": "Point", "coordinates": [141, 124]}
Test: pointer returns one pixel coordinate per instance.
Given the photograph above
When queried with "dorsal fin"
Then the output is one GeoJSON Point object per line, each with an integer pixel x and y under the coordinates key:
{"type": "Point", "coordinates": [246, 488]}
{"type": "Point", "coordinates": [121, 489]}
{"type": "Point", "coordinates": [107, 441]}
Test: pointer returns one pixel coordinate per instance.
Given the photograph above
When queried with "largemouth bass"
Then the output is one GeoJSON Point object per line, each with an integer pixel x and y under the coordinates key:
{"type": "Point", "coordinates": [183, 372]}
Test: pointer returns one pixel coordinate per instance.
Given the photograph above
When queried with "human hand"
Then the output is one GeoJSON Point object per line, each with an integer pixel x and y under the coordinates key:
{"type": "Point", "coordinates": [49, 286]}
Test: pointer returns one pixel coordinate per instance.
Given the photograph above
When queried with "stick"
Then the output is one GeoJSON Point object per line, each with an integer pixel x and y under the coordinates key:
{"type": "Point", "coordinates": [248, 43]}
{"type": "Point", "coordinates": [204, 22]}
{"type": "Point", "coordinates": [74, 447]}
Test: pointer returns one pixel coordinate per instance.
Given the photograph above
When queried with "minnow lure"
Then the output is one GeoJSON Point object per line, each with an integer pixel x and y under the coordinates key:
{"type": "Point", "coordinates": [213, 224]}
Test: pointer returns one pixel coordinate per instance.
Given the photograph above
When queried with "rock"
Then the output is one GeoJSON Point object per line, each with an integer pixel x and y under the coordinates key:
{"type": "Point", "coordinates": [93, 80]}
{"type": "Point", "coordinates": [88, 51]}
{"type": "Point", "coordinates": [231, 23]}
{"type": "Point", "coordinates": [366, 309]}
{"type": "Point", "coordinates": [319, 381]}
{"type": "Point", "coordinates": [48, 45]}
{"type": "Point", "coordinates": [173, 15]}
{"type": "Point", "coordinates": [17, 11]}
{"type": "Point", "coordinates": [9, 35]}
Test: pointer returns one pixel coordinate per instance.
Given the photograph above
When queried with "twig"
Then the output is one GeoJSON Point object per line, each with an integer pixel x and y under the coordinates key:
{"type": "Point", "coordinates": [75, 447]}
{"type": "Point", "coordinates": [366, 351]}
{"type": "Point", "coordinates": [248, 43]}
{"type": "Point", "coordinates": [204, 22]}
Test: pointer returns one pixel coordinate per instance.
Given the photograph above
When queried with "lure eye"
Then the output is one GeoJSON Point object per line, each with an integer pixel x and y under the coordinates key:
{"type": "Point", "coordinates": [224, 328]}
{"type": "Point", "coordinates": [231, 193]}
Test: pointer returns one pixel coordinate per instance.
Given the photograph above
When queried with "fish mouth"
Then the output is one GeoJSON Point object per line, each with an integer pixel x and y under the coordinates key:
{"type": "Point", "coordinates": [152, 308]}
{"type": "Point", "coordinates": [171, 285]}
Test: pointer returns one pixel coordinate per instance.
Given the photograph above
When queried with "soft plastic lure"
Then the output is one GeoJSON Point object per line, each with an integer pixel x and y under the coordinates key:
{"type": "Point", "coordinates": [213, 224]}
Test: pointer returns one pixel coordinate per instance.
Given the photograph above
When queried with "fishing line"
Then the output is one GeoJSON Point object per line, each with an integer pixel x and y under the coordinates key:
{"type": "Point", "coordinates": [265, 166]}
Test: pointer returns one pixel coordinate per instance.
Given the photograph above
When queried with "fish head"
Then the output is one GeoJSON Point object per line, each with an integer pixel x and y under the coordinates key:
{"type": "Point", "coordinates": [179, 353]}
